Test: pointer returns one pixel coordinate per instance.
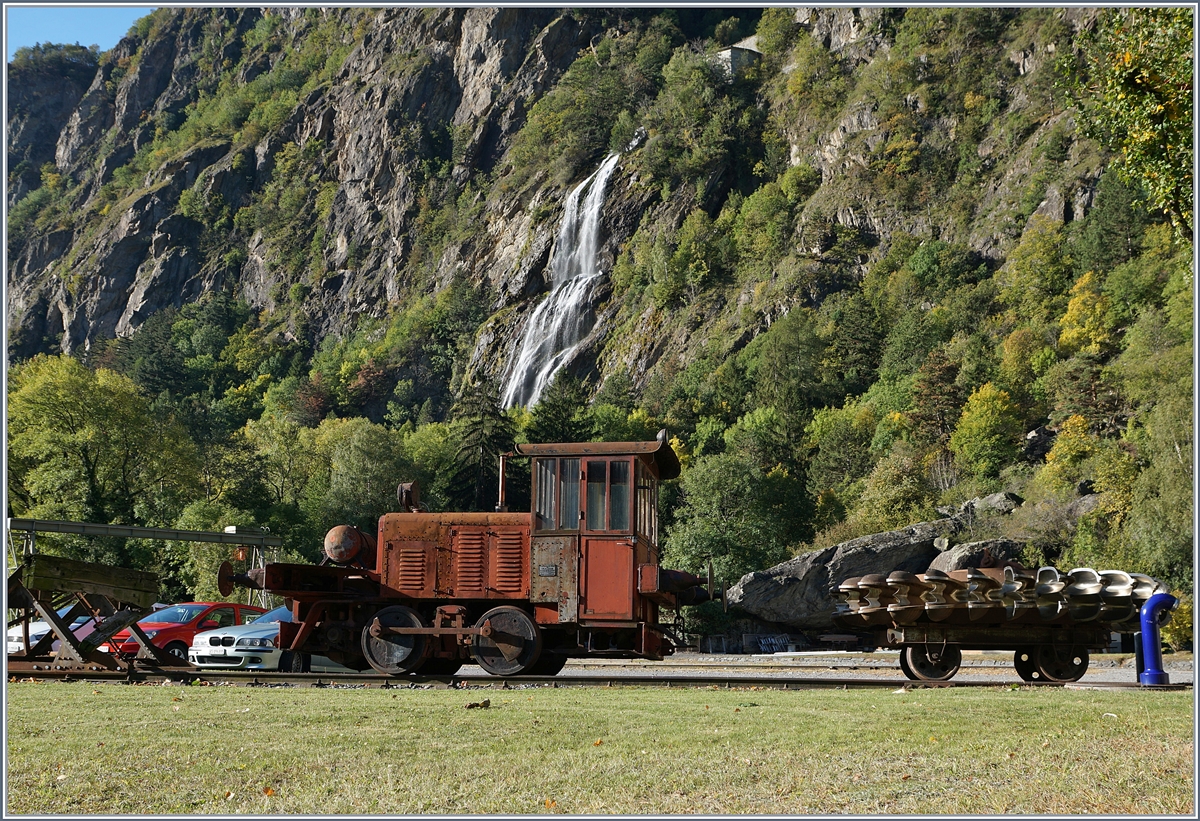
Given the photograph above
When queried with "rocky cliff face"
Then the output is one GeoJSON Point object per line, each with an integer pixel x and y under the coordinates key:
{"type": "Point", "coordinates": [474, 71]}
{"type": "Point", "coordinates": [372, 113]}
{"type": "Point", "coordinates": [40, 101]}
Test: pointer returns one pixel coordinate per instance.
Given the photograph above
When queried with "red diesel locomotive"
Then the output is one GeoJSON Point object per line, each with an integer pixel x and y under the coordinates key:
{"type": "Point", "coordinates": [520, 593]}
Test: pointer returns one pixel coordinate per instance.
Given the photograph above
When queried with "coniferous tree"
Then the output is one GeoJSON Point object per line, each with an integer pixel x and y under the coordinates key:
{"type": "Point", "coordinates": [856, 345]}
{"type": "Point", "coordinates": [483, 431]}
{"type": "Point", "coordinates": [937, 399]}
{"type": "Point", "coordinates": [560, 414]}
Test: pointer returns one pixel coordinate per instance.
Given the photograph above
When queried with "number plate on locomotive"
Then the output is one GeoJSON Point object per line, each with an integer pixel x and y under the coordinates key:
{"type": "Point", "coordinates": [547, 570]}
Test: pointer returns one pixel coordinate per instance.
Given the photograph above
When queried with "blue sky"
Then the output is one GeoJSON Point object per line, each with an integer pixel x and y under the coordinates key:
{"type": "Point", "coordinates": [62, 23]}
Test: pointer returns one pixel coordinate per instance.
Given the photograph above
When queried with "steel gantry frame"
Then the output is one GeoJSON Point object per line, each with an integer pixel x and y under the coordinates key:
{"type": "Point", "coordinates": [94, 585]}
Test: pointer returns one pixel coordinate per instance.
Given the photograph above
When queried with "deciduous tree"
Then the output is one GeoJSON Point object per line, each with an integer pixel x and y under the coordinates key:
{"type": "Point", "coordinates": [988, 433]}
{"type": "Point", "coordinates": [1134, 92]}
{"type": "Point", "coordinates": [89, 448]}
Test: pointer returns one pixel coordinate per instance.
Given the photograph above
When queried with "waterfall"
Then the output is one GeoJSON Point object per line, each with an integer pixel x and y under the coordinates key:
{"type": "Point", "coordinates": [564, 318]}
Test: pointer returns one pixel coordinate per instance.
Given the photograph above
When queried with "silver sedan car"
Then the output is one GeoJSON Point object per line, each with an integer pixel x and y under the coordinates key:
{"type": "Point", "coordinates": [252, 646]}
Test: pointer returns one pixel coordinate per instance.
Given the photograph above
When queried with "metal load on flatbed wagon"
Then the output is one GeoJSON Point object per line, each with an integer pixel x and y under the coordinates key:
{"type": "Point", "coordinates": [578, 575]}
{"type": "Point", "coordinates": [1049, 619]}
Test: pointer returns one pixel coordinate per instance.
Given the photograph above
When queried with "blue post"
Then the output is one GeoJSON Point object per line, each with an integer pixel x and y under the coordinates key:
{"type": "Point", "coordinates": [1154, 612]}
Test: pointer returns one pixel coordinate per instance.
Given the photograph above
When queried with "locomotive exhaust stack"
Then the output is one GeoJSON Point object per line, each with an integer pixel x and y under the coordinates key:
{"type": "Point", "coordinates": [517, 592]}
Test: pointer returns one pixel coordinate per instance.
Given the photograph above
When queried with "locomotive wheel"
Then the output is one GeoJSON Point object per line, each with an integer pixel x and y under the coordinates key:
{"type": "Point", "coordinates": [550, 664]}
{"type": "Point", "coordinates": [391, 654]}
{"type": "Point", "coordinates": [940, 665]}
{"type": "Point", "coordinates": [905, 668]}
{"type": "Point", "coordinates": [1061, 664]}
{"type": "Point", "coordinates": [1025, 664]}
{"type": "Point", "coordinates": [514, 646]}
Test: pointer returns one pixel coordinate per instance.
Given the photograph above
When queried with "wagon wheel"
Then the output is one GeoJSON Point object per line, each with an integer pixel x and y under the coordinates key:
{"type": "Point", "coordinates": [932, 663]}
{"type": "Point", "coordinates": [1061, 663]}
{"type": "Point", "coordinates": [1025, 664]}
{"type": "Point", "coordinates": [393, 654]}
{"type": "Point", "coordinates": [908, 672]}
{"type": "Point", "coordinates": [514, 646]}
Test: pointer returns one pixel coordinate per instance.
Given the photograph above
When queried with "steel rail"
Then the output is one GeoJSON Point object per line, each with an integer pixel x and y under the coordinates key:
{"type": "Point", "coordinates": [24, 671]}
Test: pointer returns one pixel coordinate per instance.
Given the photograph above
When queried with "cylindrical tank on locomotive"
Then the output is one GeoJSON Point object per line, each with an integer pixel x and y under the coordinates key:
{"type": "Point", "coordinates": [517, 592]}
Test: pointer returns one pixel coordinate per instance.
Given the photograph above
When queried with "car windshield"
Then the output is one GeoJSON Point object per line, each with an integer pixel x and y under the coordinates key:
{"type": "Point", "coordinates": [281, 613]}
{"type": "Point", "coordinates": [179, 614]}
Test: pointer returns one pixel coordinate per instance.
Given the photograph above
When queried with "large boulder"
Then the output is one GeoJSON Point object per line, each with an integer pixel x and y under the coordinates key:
{"type": "Point", "coordinates": [798, 593]}
{"type": "Point", "coordinates": [1002, 502]}
{"type": "Point", "coordinates": [972, 554]}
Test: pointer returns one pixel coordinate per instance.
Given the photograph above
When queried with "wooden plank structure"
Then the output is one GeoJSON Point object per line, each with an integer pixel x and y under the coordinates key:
{"type": "Point", "coordinates": [56, 574]}
{"type": "Point", "coordinates": [116, 597]}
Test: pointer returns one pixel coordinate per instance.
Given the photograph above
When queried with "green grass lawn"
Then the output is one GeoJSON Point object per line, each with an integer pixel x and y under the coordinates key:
{"type": "Point", "coordinates": [110, 748]}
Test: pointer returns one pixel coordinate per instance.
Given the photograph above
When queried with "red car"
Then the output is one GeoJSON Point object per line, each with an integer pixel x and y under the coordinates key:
{"type": "Point", "coordinates": [174, 627]}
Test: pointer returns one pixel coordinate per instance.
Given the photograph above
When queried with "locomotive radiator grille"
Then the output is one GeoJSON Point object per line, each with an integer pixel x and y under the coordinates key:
{"type": "Point", "coordinates": [469, 562]}
{"type": "Point", "coordinates": [412, 567]}
{"type": "Point", "coordinates": [507, 563]}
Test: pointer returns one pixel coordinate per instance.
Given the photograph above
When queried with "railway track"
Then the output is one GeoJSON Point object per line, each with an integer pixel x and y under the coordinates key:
{"type": "Point", "coordinates": [24, 671]}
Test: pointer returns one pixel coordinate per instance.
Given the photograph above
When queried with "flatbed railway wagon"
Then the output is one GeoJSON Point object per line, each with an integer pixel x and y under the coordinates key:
{"type": "Point", "coordinates": [516, 592]}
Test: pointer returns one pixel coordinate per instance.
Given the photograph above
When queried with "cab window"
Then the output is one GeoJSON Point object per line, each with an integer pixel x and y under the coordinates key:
{"type": "Point", "coordinates": [609, 500]}
{"type": "Point", "coordinates": [597, 491]}
{"type": "Point", "coordinates": [646, 508]}
{"type": "Point", "coordinates": [618, 496]}
{"type": "Point", "coordinates": [556, 506]}
{"type": "Point", "coordinates": [568, 495]}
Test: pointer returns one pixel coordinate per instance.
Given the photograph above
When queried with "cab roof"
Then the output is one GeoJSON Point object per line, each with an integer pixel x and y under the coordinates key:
{"type": "Point", "coordinates": [665, 460]}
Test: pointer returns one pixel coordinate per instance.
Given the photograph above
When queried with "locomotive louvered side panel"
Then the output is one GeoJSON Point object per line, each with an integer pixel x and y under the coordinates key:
{"type": "Point", "coordinates": [469, 549]}
{"type": "Point", "coordinates": [409, 568]}
{"type": "Point", "coordinates": [508, 564]}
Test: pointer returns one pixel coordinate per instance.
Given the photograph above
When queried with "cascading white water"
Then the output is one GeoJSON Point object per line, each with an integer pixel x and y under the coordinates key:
{"type": "Point", "coordinates": [564, 318]}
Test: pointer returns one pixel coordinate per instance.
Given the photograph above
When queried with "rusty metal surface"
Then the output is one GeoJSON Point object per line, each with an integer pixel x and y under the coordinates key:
{"type": "Point", "coordinates": [555, 576]}
{"type": "Point", "coordinates": [345, 543]}
{"type": "Point", "coordinates": [434, 562]}
{"type": "Point", "coordinates": [606, 579]}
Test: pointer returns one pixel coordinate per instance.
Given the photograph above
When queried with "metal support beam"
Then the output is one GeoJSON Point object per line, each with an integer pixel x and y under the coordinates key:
{"type": "Point", "coordinates": [132, 532]}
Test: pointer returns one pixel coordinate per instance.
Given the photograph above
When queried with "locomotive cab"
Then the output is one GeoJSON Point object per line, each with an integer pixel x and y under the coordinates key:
{"type": "Point", "coordinates": [594, 539]}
